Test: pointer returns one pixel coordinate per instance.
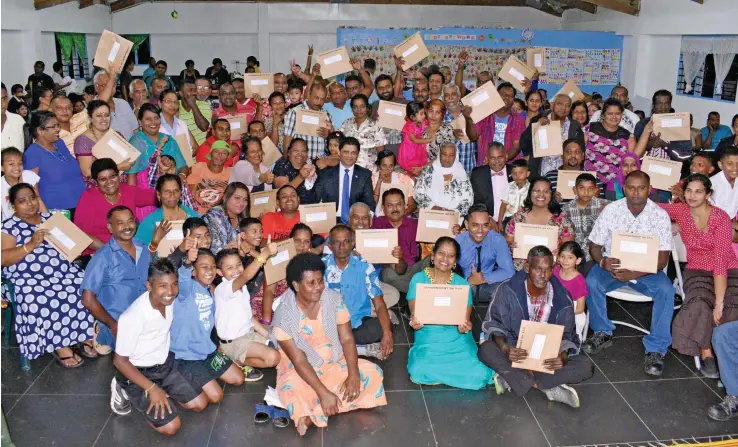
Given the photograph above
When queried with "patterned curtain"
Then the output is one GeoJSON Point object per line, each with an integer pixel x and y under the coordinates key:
{"type": "Point", "coordinates": [66, 42]}
{"type": "Point", "coordinates": [80, 43]}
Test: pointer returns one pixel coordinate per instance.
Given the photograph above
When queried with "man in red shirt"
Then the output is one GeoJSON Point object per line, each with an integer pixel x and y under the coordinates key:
{"type": "Point", "coordinates": [279, 224]}
{"type": "Point", "coordinates": [221, 131]}
{"type": "Point", "coordinates": [230, 107]}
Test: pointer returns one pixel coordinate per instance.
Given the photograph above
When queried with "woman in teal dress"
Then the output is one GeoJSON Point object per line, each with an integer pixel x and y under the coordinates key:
{"type": "Point", "coordinates": [168, 207]}
{"type": "Point", "coordinates": [445, 354]}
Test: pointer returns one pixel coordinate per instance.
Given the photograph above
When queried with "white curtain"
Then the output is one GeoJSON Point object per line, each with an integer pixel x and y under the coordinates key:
{"type": "Point", "coordinates": [696, 49]}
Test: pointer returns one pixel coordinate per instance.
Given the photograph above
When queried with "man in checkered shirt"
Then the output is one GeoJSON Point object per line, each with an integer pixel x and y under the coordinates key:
{"type": "Point", "coordinates": [316, 145]}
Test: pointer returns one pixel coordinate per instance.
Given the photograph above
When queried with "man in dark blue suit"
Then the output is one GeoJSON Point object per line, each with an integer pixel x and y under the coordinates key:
{"type": "Point", "coordinates": [346, 183]}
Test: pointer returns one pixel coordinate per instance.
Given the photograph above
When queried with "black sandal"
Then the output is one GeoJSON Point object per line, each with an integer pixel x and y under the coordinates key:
{"type": "Point", "coordinates": [60, 361]}
{"type": "Point", "coordinates": [82, 349]}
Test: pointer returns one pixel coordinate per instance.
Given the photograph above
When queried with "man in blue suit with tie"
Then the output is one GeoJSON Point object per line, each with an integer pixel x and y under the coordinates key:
{"type": "Point", "coordinates": [346, 183]}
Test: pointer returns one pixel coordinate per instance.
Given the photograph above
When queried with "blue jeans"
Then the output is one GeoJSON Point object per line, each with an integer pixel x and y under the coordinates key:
{"type": "Point", "coordinates": [725, 343]}
{"type": "Point", "coordinates": [657, 286]}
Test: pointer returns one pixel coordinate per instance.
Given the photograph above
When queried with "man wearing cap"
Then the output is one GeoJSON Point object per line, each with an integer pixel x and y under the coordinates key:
{"type": "Point", "coordinates": [221, 133]}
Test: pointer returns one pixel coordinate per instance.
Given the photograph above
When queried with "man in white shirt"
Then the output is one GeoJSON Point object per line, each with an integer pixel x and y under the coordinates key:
{"type": "Point", "coordinates": [59, 84]}
{"type": "Point", "coordinates": [12, 126]}
{"type": "Point", "coordinates": [630, 119]}
{"type": "Point", "coordinates": [634, 214]}
{"type": "Point", "coordinates": [146, 368]}
{"type": "Point", "coordinates": [724, 191]}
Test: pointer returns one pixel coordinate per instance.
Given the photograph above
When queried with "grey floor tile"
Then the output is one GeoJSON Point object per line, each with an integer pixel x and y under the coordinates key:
{"type": "Point", "coordinates": [604, 417]}
{"type": "Point", "coordinates": [396, 377]}
{"type": "Point", "coordinates": [403, 422]}
{"type": "Point", "coordinates": [9, 401]}
{"type": "Point", "coordinates": [15, 380]}
{"type": "Point", "coordinates": [93, 377]}
{"type": "Point", "coordinates": [482, 418]}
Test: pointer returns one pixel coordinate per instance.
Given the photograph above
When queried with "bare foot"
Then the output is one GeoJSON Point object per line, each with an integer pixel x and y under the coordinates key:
{"type": "Point", "coordinates": [303, 424]}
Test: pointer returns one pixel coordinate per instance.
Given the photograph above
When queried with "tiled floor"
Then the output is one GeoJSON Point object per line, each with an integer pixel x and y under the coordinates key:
{"type": "Point", "coordinates": [620, 406]}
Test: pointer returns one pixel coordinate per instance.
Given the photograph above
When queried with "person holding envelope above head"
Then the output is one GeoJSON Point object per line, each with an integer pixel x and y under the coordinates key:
{"type": "Point", "coordinates": [540, 208]}
{"type": "Point", "coordinates": [346, 183]}
{"type": "Point", "coordinates": [504, 126]}
{"type": "Point", "coordinates": [635, 214]}
{"type": "Point", "coordinates": [315, 144]}
{"type": "Point", "coordinates": [655, 146]}
{"type": "Point", "coordinates": [533, 295]}
{"type": "Point", "coordinates": [485, 258]}
{"type": "Point", "coordinates": [444, 354]}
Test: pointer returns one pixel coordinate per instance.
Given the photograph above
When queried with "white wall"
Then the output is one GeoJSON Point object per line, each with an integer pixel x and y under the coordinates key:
{"type": "Point", "coordinates": [28, 35]}
{"type": "Point", "coordinates": [652, 45]}
{"type": "Point", "coordinates": [277, 33]}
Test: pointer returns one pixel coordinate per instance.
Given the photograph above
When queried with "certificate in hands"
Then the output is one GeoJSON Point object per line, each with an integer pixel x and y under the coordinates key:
{"type": "Point", "coordinates": [115, 147]}
{"type": "Point", "coordinates": [320, 217]}
{"type": "Point", "coordinates": [672, 126]}
{"type": "Point", "coordinates": [307, 122]}
{"type": "Point", "coordinates": [376, 246]}
{"type": "Point", "coordinates": [441, 304]}
{"type": "Point", "coordinates": [334, 62]}
{"type": "Point", "coordinates": [528, 236]}
{"type": "Point", "coordinates": [542, 341]}
{"type": "Point", "coordinates": [65, 236]}
{"type": "Point", "coordinates": [172, 240]}
{"type": "Point", "coordinates": [412, 51]}
{"type": "Point", "coordinates": [663, 173]}
{"type": "Point", "coordinates": [515, 72]}
{"type": "Point", "coordinates": [484, 101]}
{"type": "Point", "coordinates": [636, 252]}
{"type": "Point", "coordinates": [433, 224]}
{"type": "Point", "coordinates": [275, 268]}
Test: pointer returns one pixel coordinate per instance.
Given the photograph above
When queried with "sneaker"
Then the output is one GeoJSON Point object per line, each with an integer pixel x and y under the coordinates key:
{"type": "Point", "coordinates": [597, 343]}
{"type": "Point", "coordinates": [654, 365]}
{"type": "Point", "coordinates": [393, 317]}
{"type": "Point", "coordinates": [725, 410]}
{"type": "Point", "coordinates": [119, 402]}
{"type": "Point", "coordinates": [251, 374]}
{"type": "Point", "coordinates": [501, 385]}
{"type": "Point", "coordinates": [709, 368]}
{"type": "Point", "coordinates": [564, 394]}
{"type": "Point", "coordinates": [100, 348]}
{"type": "Point", "coordinates": [373, 350]}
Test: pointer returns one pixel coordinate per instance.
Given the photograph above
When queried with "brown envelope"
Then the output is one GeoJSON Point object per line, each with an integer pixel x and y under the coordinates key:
{"type": "Point", "coordinates": [260, 83]}
{"type": "Point", "coordinates": [672, 126]}
{"type": "Point", "coordinates": [536, 59]}
{"type": "Point", "coordinates": [567, 180]}
{"type": "Point", "coordinates": [275, 268]}
{"type": "Point", "coordinates": [664, 173]}
{"type": "Point", "coordinates": [334, 62]}
{"type": "Point", "coordinates": [441, 304]}
{"type": "Point", "coordinates": [307, 122]}
{"type": "Point", "coordinates": [183, 141]}
{"type": "Point", "coordinates": [238, 126]}
{"type": "Point", "coordinates": [636, 252]}
{"type": "Point", "coordinates": [79, 123]}
{"type": "Point", "coordinates": [271, 153]}
{"type": "Point", "coordinates": [433, 224]}
{"type": "Point", "coordinates": [412, 50]}
{"type": "Point", "coordinates": [547, 139]}
{"type": "Point", "coordinates": [484, 101]}
{"type": "Point", "coordinates": [376, 245]}
{"type": "Point", "coordinates": [528, 236]}
{"type": "Point", "coordinates": [263, 202]}
{"type": "Point", "coordinates": [460, 124]}
{"type": "Point", "coordinates": [320, 217]}
{"type": "Point", "coordinates": [65, 236]}
{"type": "Point", "coordinates": [515, 71]}
{"type": "Point", "coordinates": [112, 52]}
{"type": "Point", "coordinates": [172, 240]}
{"type": "Point", "coordinates": [391, 115]}
{"type": "Point", "coordinates": [402, 187]}
{"type": "Point", "coordinates": [571, 90]}
{"type": "Point", "coordinates": [115, 147]}
{"type": "Point", "coordinates": [542, 341]}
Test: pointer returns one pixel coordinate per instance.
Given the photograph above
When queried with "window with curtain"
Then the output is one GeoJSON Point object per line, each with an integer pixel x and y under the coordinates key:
{"type": "Point", "coordinates": [708, 68]}
{"type": "Point", "coordinates": [141, 51]}
{"type": "Point", "coordinates": [71, 51]}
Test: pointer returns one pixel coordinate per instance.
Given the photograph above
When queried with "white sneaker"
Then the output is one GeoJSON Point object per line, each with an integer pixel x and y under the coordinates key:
{"type": "Point", "coordinates": [119, 402]}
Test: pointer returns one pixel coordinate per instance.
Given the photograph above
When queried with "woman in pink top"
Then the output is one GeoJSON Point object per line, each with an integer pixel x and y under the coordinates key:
{"type": "Point", "coordinates": [94, 204]}
{"type": "Point", "coordinates": [711, 276]}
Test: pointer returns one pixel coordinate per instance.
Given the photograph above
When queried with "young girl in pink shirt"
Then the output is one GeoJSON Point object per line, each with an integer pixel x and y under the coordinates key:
{"type": "Point", "coordinates": [413, 155]}
{"type": "Point", "coordinates": [570, 257]}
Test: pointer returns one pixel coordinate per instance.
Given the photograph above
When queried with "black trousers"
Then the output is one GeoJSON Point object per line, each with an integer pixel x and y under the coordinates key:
{"type": "Point", "coordinates": [369, 332]}
{"type": "Point", "coordinates": [577, 369]}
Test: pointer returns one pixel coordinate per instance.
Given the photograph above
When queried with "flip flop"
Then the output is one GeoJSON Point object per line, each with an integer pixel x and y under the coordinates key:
{"type": "Point", "coordinates": [80, 349]}
{"type": "Point", "coordinates": [281, 417]}
{"type": "Point", "coordinates": [263, 413]}
{"type": "Point", "coordinates": [60, 361]}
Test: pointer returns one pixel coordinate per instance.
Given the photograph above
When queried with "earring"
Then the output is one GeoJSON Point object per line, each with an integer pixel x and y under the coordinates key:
{"type": "Point", "coordinates": [454, 267]}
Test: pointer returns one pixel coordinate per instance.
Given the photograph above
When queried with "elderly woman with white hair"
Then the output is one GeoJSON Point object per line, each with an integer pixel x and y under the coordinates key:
{"type": "Point", "coordinates": [122, 118]}
{"type": "Point", "coordinates": [444, 185]}
{"type": "Point", "coordinates": [464, 130]}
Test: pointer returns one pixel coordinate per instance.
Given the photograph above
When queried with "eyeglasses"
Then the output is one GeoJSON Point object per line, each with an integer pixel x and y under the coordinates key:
{"type": "Point", "coordinates": [56, 126]}
{"type": "Point", "coordinates": [203, 87]}
{"type": "Point", "coordinates": [170, 101]}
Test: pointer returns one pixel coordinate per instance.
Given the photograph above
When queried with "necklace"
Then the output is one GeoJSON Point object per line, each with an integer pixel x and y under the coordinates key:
{"type": "Point", "coordinates": [56, 154]}
{"type": "Point", "coordinates": [427, 271]}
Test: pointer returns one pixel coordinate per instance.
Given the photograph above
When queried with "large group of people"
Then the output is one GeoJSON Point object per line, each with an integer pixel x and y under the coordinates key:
{"type": "Point", "coordinates": [177, 322]}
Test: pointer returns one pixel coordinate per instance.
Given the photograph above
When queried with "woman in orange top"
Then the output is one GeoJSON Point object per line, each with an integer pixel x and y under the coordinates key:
{"type": "Point", "coordinates": [209, 180]}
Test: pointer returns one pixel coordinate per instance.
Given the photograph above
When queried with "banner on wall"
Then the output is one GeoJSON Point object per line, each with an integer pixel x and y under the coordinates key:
{"type": "Point", "coordinates": [591, 59]}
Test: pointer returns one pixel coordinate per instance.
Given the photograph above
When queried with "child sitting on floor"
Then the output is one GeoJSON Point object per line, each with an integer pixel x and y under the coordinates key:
{"type": "Point", "coordinates": [241, 335]}
{"type": "Point", "coordinates": [566, 270]}
{"type": "Point", "coordinates": [196, 356]}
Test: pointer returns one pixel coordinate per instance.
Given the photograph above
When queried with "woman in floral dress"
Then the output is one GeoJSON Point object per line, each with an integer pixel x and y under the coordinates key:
{"type": "Point", "coordinates": [320, 374]}
{"type": "Point", "coordinates": [363, 128]}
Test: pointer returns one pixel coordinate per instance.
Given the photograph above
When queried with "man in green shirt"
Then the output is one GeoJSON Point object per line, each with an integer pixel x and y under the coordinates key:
{"type": "Point", "coordinates": [195, 113]}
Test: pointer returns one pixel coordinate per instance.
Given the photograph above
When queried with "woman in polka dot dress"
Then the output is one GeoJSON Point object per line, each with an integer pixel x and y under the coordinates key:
{"type": "Point", "coordinates": [50, 316]}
